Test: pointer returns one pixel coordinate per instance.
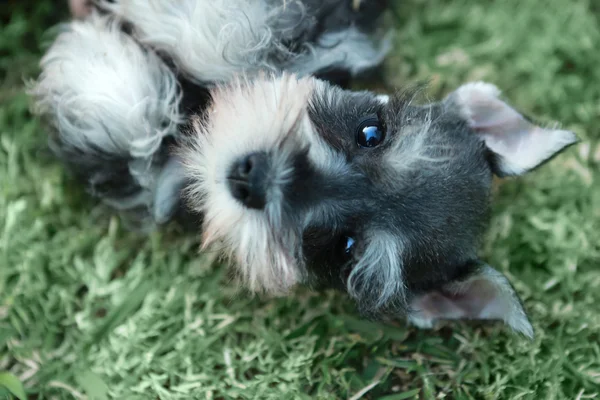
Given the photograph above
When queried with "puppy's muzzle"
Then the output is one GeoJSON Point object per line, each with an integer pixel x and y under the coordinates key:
{"type": "Point", "coordinates": [248, 180]}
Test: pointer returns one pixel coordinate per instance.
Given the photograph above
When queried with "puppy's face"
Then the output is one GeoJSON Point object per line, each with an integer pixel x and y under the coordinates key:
{"type": "Point", "coordinates": [302, 182]}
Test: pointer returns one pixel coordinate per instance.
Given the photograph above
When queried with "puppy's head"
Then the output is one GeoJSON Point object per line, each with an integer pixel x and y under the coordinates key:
{"type": "Point", "coordinates": [302, 182]}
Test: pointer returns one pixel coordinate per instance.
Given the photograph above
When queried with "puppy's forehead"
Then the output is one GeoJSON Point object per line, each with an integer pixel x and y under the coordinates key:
{"type": "Point", "coordinates": [335, 113]}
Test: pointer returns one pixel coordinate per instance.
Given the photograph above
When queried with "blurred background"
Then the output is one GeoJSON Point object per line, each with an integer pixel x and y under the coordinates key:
{"type": "Point", "coordinates": [89, 310]}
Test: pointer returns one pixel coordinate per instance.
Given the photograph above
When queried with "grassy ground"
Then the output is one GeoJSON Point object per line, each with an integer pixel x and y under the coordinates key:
{"type": "Point", "coordinates": [88, 310]}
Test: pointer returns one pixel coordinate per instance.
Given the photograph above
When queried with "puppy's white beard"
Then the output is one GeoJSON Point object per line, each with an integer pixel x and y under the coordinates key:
{"type": "Point", "coordinates": [256, 241]}
{"type": "Point", "coordinates": [248, 240]}
{"type": "Point", "coordinates": [269, 115]}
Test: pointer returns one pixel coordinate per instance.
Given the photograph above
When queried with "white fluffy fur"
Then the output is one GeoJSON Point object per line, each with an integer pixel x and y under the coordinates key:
{"type": "Point", "coordinates": [100, 89]}
{"type": "Point", "coordinates": [213, 40]}
{"type": "Point", "coordinates": [521, 145]}
{"type": "Point", "coordinates": [486, 295]}
{"type": "Point", "coordinates": [246, 116]}
{"type": "Point", "coordinates": [210, 40]}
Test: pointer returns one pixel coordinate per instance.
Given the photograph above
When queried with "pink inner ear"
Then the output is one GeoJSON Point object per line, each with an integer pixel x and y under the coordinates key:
{"type": "Point", "coordinates": [520, 144]}
{"type": "Point", "coordinates": [504, 130]}
{"type": "Point", "coordinates": [469, 303]}
{"type": "Point", "coordinates": [488, 295]}
{"type": "Point", "coordinates": [495, 117]}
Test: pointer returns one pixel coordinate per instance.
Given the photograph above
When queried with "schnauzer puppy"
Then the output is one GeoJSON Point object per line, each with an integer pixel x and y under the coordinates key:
{"type": "Point", "coordinates": [300, 181]}
{"type": "Point", "coordinates": [297, 180]}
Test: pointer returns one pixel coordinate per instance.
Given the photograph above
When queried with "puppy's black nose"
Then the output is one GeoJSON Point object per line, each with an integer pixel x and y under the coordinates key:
{"type": "Point", "coordinates": [247, 180]}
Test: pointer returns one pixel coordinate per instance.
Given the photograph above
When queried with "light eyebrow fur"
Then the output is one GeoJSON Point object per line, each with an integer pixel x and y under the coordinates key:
{"type": "Point", "coordinates": [376, 279]}
{"type": "Point", "coordinates": [417, 144]}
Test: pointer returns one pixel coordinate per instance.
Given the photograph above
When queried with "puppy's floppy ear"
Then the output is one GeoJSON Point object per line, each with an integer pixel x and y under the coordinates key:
{"type": "Point", "coordinates": [518, 145]}
{"type": "Point", "coordinates": [483, 294]}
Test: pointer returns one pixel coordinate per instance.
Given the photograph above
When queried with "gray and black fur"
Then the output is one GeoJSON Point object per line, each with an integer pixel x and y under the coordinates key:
{"type": "Point", "coordinates": [296, 179]}
{"type": "Point", "coordinates": [425, 204]}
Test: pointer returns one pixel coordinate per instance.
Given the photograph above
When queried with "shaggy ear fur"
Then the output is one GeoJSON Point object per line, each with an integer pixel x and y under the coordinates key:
{"type": "Point", "coordinates": [484, 294]}
{"type": "Point", "coordinates": [518, 145]}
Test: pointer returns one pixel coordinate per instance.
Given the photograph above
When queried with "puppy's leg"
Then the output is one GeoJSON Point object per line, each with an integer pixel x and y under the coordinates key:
{"type": "Point", "coordinates": [214, 40]}
{"type": "Point", "coordinates": [112, 104]}
{"type": "Point", "coordinates": [208, 40]}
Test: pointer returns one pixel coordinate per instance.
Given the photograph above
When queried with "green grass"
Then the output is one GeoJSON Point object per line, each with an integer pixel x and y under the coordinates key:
{"type": "Point", "coordinates": [89, 310]}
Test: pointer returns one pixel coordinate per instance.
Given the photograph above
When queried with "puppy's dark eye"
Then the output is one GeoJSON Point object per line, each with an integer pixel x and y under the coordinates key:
{"type": "Point", "coordinates": [370, 132]}
{"type": "Point", "coordinates": [345, 247]}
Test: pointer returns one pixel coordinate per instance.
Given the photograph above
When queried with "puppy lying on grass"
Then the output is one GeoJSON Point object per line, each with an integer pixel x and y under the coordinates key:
{"type": "Point", "coordinates": [231, 111]}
